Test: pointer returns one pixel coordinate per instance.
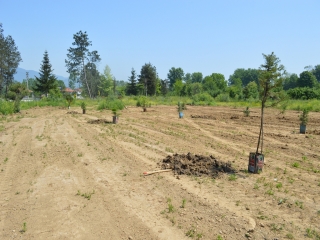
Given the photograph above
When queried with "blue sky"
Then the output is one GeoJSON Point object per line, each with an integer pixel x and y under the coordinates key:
{"type": "Point", "coordinates": [199, 36]}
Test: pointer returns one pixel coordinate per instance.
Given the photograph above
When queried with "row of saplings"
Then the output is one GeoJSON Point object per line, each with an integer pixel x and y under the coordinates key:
{"type": "Point", "coordinates": [143, 102]}
{"type": "Point", "coordinates": [303, 117]}
{"type": "Point", "coordinates": [116, 107]}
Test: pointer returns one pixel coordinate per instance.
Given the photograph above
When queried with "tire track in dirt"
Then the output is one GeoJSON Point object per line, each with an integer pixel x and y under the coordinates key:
{"type": "Point", "coordinates": [140, 204]}
{"type": "Point", "coordinates": [138, 153]}
{"type": "Point", "coordinates": [144, 155]}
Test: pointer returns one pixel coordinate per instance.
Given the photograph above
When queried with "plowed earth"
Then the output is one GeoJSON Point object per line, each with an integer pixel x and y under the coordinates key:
{"type": "Point", "coordinates": [64, 178]}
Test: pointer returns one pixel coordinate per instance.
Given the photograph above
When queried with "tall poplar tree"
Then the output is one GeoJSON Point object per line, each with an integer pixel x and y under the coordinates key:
{"type": "Point", "coordinates": [46, 81]}
{"type": "Point", "coordinates": [9, 60]}
{"type": "Point", "coordinates": [79, 56]}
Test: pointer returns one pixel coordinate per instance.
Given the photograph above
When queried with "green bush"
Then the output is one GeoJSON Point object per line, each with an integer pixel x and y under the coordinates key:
{"type": "Point", "coordinates": [223, 97]}
{"type": "Point", "coordinates": [142, 102]}
{"type": "Point", "coordinates": [202, 99]}
{"type": "Point", "coordinates": [6, 107]}
{"type": "Point", "coordinates": [304, 93]}
{"type": "Point", "coordinates": [111, 103]}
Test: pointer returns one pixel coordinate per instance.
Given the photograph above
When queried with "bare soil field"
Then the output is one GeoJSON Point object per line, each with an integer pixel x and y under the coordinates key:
{"type": "Point", "coordinates": [78, 176]}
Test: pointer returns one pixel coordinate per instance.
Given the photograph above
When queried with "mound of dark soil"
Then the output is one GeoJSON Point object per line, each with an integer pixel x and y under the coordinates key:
{"type": "Point", "coordinates": [204, 116]}
{"type": "Point", "coordinates": [197, 165]}
{"type": "Point", "coordinates": [99, 121]}
{"type": "Point", "coordinates": [73, 112]}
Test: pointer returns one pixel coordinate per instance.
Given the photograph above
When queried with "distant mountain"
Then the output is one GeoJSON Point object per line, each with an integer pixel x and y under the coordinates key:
{"type": "Point", "coordinates": [21, 74]}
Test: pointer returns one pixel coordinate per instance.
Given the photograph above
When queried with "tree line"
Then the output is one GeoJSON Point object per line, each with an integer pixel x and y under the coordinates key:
{"type": "Point", "coordinates": [81, 63]}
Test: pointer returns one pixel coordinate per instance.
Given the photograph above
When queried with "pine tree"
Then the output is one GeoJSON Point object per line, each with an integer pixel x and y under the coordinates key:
{"type": "Point", "coordinates": [147, 78]}
{"type": "Point", "coordinates": [132, 85]}
{"type": "Point", "coordinates": [47, 80]}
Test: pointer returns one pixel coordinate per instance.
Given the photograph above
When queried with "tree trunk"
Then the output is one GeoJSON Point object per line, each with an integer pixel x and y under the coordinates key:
{"type": "Point", "coordinates": [263, 103]}
{"type": "Point", "coordinates": [85, 77]}
{"type": "Point", "coordinates": [260, 139]}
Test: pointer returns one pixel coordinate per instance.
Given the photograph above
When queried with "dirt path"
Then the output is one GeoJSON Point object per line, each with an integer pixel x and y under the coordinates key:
{"type": "Point", "coordinates": [63, 178]}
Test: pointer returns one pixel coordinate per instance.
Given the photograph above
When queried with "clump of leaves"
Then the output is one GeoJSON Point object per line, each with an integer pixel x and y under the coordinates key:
{"type": "Point", "coordinates": [69, 99]}
{"type": "Point", "coordinates": [83, 105]}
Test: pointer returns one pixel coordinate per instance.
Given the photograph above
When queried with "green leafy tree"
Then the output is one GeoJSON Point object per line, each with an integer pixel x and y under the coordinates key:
{"type": "Point", "coordinates": [69, 100]}
{"type": "Point", "coordinates": [245, 75]}
{"type": "Point", "coordinates": [196, 77]}
{"type": "Point", "coordinates": [73, 79]}
{"type": "Point", "coordinates": [220, 81]}
{"type": "Point", "coordinates": [174, 75]}
{"type": "Point", "coordinates": [61, 84]}
{"type": "Point", "coordinates": [316, 72]}
{"type": "Point", "coordinates": [132, 85]}
{"type": "Point", "coordinates": [148, 78]}
{"type": "Point", "coordinates": [214, 84]}
{"type": "Point", "coordinates": [16, 92]}
{"type": "Point", "coordinates": [9, 60]}
{"type": "Point", "coordinates": [271, 75]}
{"type": "Point", "coordinates": [46, 81]}
{"type": "Point", "coordinates": [290, 81]}
{"type": "Point", "coordinates": [304, 93]}
{"type": "Point", "coordinates": [195, 88]}
{"type": "Point", "coordinates": [31, 83]}
{"type": "Point", "coordinates": [251, 90]}
{"type": "Point", "coordinates": [164, 86]}
{"type": "Point", "coordinates": [78, 58]}
{"type": "Point", "coordinates": [235, 90]}
{"type": "Point", "coordinates": [187, 78]}
{"type": "Point", "coordinates": [177, 87]}
{"type": "Point", "coordinates": [106, 82]}
{"type": "Point", "coordinates": [93, 79]}
{"type": "Point", "coordinates": [307, 79]}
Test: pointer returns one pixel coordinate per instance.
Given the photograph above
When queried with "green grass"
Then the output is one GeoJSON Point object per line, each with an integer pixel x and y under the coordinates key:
{"type": "Point", "coordinates": [183, 203]}
{"type": "Point", "coordinates": [311, 233]}
{"type": "Point", "coordinates": [6, 108]}
{"type": "Point", "coordinates": [232, 177]}
{"type": "Point", "coordinates": [24, 228]}
{"type": "Point", "coordinates": [296, 165]}
{"type": "Point", "coordinates": [85, 195]}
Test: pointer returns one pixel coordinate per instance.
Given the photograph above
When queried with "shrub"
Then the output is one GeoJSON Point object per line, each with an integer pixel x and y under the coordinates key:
{"type": "Point", "coordinates": [142, 102]}
{"type": "Point", "coordinates": [304, 93]}
{"type": "Point", "coordinates": [223, 97]}
{"type": "Point", "coordinates": [83, 105]}
{"type": "Point", "coordinates": [111, 103]}
{"type": "Point", "coordinates": [6, 107]}
{"type": "Point", "coordinates": [202, 99]}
